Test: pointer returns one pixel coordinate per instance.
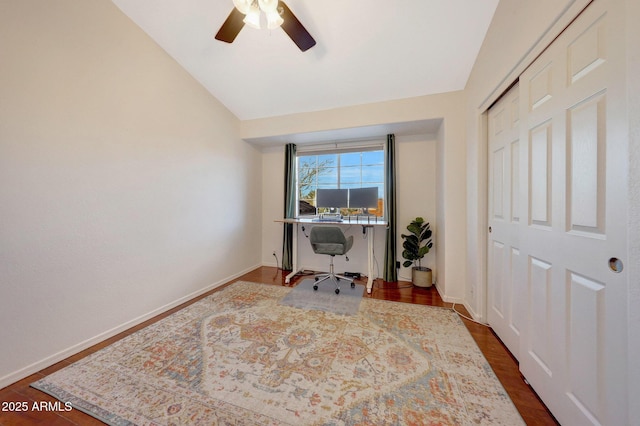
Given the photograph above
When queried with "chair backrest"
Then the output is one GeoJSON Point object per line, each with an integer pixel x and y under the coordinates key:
{"type": "Point", "coordinates": [329, 240]}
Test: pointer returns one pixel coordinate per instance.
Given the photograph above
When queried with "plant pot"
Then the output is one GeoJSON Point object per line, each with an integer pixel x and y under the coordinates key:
{"type": "Point", "coordinates": [421, 277]}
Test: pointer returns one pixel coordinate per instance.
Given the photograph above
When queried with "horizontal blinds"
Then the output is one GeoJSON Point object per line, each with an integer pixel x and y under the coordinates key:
{"type": "Point", "coordinates": [340, 147]}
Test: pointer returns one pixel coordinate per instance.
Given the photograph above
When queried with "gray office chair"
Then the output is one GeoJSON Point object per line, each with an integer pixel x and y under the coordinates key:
{"type": "Point", "coordinates": [331, 241]}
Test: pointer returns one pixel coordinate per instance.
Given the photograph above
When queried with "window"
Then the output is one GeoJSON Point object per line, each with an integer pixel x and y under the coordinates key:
{"type": "Point", "coordinates": [339, 170]}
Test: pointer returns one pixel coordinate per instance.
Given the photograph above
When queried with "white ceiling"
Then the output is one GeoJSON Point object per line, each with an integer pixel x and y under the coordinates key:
{"type": "Point", "coordinates": [367, 51]}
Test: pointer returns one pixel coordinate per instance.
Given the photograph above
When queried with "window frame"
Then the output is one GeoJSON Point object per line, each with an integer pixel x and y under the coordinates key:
{"type": "Point", "coordinates": [368, 146]}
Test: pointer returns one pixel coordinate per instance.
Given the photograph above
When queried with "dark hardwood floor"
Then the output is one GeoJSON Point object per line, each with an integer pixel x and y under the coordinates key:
{"type": "Point", "coordinates": [504, 365]}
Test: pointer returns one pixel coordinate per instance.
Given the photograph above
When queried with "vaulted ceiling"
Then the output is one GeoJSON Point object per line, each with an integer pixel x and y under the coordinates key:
{"type": "Point", "coordinates": [367, 51]}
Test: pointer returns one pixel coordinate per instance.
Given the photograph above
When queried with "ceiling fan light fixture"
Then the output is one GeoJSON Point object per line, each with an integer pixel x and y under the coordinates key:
{"type": "Point", "coordinates": [268, 5]}
{"type": "Point", "coordinates": [274, 20]}
{"type": "Point", "coordinates": [243, 6]}
{"type": "Point", "coordinates": [277, 14]}
{"type": "Point", "coordinates": [270, 9]}
{"type": "Point", "coordinates": [252, 17]}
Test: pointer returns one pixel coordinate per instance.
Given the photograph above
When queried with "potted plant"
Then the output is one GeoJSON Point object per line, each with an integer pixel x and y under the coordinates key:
{"type": "Point", "coordinates": [416, 245]}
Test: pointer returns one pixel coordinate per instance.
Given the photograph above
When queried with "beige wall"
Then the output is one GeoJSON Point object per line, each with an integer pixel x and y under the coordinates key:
{"type": "Point", "coordinates": [123, 183]}
{"type": "Point", "coordinates": [272, 205]}
{"type": "Point", "coordinates": [416, 194]}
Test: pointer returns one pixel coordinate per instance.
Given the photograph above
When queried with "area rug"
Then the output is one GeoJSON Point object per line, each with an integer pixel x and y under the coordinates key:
{"type": "Point", "coordinates": [325, 299]}
{"type": "Point", "coordinates": [239, 357]}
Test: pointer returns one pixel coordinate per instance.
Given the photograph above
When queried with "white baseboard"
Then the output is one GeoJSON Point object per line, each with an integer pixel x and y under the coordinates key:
{"type": "Point", "coordinates": [475, 315]}
{"type": "Point", "coordinates": [66, 353]}
{"type": "Point", "coordinates": [463, 302]}
{"type": "Point", "coordinates": [449, 299]}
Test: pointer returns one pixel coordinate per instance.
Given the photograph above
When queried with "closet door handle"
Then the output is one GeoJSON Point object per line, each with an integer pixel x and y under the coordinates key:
{"type": "Point", "coordinates": [616, 265]}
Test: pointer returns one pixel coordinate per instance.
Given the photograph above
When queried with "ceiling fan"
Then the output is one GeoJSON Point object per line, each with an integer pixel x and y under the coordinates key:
{"type": "Point", "coordinates": [277, 14]}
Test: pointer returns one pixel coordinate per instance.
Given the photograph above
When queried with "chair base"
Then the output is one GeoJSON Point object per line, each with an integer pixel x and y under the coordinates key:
{"type": "Point", "coordinates": [333, 277]}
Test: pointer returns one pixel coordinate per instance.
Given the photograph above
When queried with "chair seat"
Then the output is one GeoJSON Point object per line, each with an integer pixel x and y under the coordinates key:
{"type": "Point", "coordinates": [331, 241]}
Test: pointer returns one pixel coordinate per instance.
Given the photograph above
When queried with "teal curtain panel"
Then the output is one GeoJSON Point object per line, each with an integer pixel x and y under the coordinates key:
{"type": "Point", "coordinates": [289, 204]}
{"type": "Point", "coordinates": [390, 271]}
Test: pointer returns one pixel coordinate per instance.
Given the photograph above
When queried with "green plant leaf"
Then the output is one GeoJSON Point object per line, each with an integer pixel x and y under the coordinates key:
{"type": "Point", "coordinates": [408, 255]}
{"type": "Point", "coordinates": [409, 247]}
{"type": "Point", "coordinates": [411, 239]}
{"type": "Point", "coordinates": [415, 229]}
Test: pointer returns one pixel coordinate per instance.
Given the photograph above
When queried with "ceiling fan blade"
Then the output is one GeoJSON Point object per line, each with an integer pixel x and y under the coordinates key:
{"type": "Point", "coordinates": [231, 27]}
{"type": "Point", "coordinates": [295, 30]}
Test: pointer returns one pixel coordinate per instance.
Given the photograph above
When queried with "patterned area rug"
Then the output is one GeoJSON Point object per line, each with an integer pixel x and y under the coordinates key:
{"type": "Point", "coordinates": [325, 299]}
{"type": "Point", "coordinates": [239, 357]}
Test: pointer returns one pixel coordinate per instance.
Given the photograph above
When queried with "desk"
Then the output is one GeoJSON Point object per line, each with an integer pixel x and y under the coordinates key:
{"type": "Point", "coordinates": [367, 225]}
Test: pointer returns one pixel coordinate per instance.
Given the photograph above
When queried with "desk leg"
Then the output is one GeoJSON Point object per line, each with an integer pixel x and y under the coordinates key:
{"type": "Point", "coordinates": [288, 278]}
{"type": "Point", "coordinates": [294, 255]}
{"type": "Point", "coordinates": [370, 259]}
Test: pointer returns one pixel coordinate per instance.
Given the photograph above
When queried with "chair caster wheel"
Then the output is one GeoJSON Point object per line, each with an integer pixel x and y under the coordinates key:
{"type": "Point", "coordinates": [337, 291]}
{"type": "Point", "coordinates": [353, 285]}
{"type": "Point", "coordinates": [316, 278]}
{"type": "Point", "coordinates": [315, 287]}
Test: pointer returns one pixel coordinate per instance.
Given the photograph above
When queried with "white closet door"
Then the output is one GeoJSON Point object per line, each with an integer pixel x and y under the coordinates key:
{"type": "Point", "coordinates": [572, 233]}
{"type": "Point", "coordinates": [505, 289]}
